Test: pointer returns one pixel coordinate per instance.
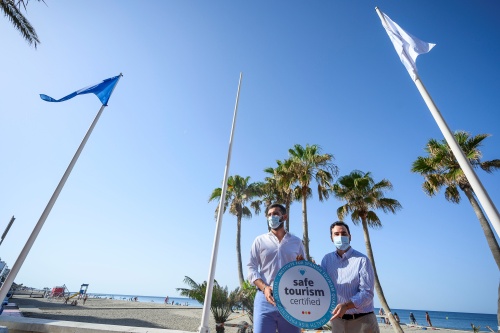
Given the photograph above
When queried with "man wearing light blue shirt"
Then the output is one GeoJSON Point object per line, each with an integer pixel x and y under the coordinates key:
{"type": "Point", "coordinates": [353, 277]}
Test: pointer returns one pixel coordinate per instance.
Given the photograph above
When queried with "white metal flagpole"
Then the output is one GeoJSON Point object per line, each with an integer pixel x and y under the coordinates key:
{"type": "Point", "coordinates": [483, 197]}
{"type": "Point", "coordinates": [213, 262]}
{"type": "Point", "coordinates": [34, 234]}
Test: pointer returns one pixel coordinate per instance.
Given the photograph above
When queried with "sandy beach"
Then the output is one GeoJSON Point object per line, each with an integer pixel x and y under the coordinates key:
{"type": "Point", "coordinates": [138, 314]}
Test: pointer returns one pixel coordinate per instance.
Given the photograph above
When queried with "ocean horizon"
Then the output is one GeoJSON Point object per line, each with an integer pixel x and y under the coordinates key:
{"type": "Point", "coordinates": [184, 301]}
{"type": "Point", "coordinates": [439, 319]}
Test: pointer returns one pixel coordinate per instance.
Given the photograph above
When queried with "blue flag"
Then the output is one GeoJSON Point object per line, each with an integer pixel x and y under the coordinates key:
{"type": "Point", "coordinates": [102, 90]}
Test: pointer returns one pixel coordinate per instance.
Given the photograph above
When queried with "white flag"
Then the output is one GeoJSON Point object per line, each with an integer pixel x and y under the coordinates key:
{"type": "Point", "coordinates": [407, 46]}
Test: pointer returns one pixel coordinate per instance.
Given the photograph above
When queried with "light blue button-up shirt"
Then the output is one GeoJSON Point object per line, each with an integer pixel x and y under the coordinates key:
{"type": "Point", "coordinates": [352, 275]}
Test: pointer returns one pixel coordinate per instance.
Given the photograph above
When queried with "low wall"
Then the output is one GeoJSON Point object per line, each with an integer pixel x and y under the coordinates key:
{"type": "Point", "coordinates": [30, 293]}
{"type": "Point", "coordinates": [34, 325]}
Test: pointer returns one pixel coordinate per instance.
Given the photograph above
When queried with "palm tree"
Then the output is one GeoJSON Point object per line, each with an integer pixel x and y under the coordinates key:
{"type": "Point", "coordinates": [222, 301]}
{"type": "Point", "coordinates": [12, 9]}
{"type": "Point", "coordinates": [195, 291]}
{"type": "Point", "coordinates": [305, 165]}
{"type": "Point", "coordinates": [269, 194]}
{"type": "Point", "coordinates": [246, 297]}
{"type": "Point", "coordinates": [362, 196]}
{"type": "Point", "coordinates": [279, 186]}
{"type": "Point", "coordinates": [441, 169]}
{"type": "Point", "coordinates": [239, 193]}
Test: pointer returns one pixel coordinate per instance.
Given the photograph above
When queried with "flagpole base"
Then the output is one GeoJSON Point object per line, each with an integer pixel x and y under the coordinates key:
{"type": "Point", "coordinates": [203, 329]}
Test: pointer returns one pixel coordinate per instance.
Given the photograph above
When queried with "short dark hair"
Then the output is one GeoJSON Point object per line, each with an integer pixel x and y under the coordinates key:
{"type": "Point", "coordinates": [341, 223]}
{"type": "Point", "coordinates": [280, 206]}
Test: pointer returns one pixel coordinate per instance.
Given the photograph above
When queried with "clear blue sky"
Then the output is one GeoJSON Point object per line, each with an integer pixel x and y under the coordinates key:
{"type": "Point", "coordinates": [133, 217]}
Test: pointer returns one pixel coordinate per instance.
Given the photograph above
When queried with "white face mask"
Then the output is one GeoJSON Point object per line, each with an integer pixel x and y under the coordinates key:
{"type": "Point", "coordinates": [341, 242]}
{"type": "Point", "coordinates": [274, 221]}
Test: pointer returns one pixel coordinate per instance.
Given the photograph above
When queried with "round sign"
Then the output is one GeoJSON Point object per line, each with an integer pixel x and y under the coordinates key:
{"type": "Point", "coordinates": [304, 294]}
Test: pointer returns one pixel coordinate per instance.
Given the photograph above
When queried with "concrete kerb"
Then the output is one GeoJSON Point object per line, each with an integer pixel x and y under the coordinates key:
{"type": "Point", "coordinates": [35, 325]}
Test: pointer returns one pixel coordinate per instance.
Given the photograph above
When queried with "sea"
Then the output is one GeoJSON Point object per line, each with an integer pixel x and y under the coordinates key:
{"type": "Point", "coordinates": [451, 320]}
{"type": "Point", "coordinates": [184, 301]}
{"type": "Point", "coordinates": [440, 319]}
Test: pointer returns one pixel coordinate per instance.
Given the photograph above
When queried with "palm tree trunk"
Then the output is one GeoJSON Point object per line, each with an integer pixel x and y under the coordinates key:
{"type": "Point", "coordinates": [219, 328]}
{"type": "Point", "coordinates": [287, 222]}
{"type": "Point", "coordinates": [305, 240]}
{"type": "Point", "coordinates": [378, 287]}
{"type": "Point", "coordinates": [488, 232]}
{"type": "Point", "coordinates": [238, 250]}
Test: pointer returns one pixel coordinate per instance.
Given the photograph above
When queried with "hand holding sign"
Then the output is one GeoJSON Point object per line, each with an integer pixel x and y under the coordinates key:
{"type": "Point", "coordinates": [340, 310]}
{"type": "Point", "coordinates": [268, 293]}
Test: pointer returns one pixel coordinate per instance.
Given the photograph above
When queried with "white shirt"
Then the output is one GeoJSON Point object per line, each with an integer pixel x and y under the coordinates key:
{"type": "Point", "coordinates": [268, 255]}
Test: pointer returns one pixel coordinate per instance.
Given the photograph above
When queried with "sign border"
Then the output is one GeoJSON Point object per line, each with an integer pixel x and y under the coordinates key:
{"type": "Point", "coordinates": [299, 323]}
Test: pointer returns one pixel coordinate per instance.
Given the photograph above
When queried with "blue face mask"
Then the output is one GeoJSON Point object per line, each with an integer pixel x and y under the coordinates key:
{"type": "Point", "coordinates": [274, 221]}
{"type": "Point", "coordinates": [341, 242]}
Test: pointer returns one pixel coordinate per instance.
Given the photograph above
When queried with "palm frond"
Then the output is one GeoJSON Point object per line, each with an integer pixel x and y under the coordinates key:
{"type": "Point", "coordinates": [20, 22]}
{"type": "Point", "coordinates": [440, 168]}
{"type": "Point", "coordinates": [222, 301]}
{"type": "Point", "coordinates": [451, 194]}
{"type": "Point", "coordinates": [373, 220]}
{"type": "Point", "coordinates": [362, 195]}
{"type": "Point", "coordinates": [490, 166]}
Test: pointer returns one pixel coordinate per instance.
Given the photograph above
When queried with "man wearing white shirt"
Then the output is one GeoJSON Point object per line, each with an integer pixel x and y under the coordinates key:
{"type": "Point", "coordinates": [353, 277]}
{"type": "Point", "coordinates": [268, 254]}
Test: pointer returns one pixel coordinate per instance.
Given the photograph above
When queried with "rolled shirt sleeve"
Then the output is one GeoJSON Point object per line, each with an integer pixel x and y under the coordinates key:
{"type": "Point", "coordinates": [254, 264]}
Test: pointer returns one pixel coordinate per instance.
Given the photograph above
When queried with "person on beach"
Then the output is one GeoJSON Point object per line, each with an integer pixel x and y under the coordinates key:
{"type": "Point", "coordinates": [381, 313]}
{"type": "Point", "coordinates": [396, 317]}
{"type": "Point", "coordinates": [268, 254]}
{"type": "Point", "coordinates": [412, 319]}
{"type": "Point", "coordinates": [353, 277]}
{"type": "Point", "coordinates": [85, 298]}
{"type": "Point", "coordinates": [166, 300]}
{"type": "Point", "coordinates": [428, 319]}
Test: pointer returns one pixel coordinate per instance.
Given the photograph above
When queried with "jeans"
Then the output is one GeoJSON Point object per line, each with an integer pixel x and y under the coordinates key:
{"type": "Point", "coordinates": [266, 317]}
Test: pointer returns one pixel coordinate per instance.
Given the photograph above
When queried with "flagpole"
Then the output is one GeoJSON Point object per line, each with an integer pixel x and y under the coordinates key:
{"type": "Point", "coordinates": [220, 212]}
{"type": "Point", "coordinates": [7, 229]}
{"type": "Point", "coordinates": [34, 234]}
{"type": "Point", "coordinates": [478, 188]}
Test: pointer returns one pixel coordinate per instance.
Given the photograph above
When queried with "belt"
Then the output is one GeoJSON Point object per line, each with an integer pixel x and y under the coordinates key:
{"type": "Point", "coordinates": [350, 316]}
